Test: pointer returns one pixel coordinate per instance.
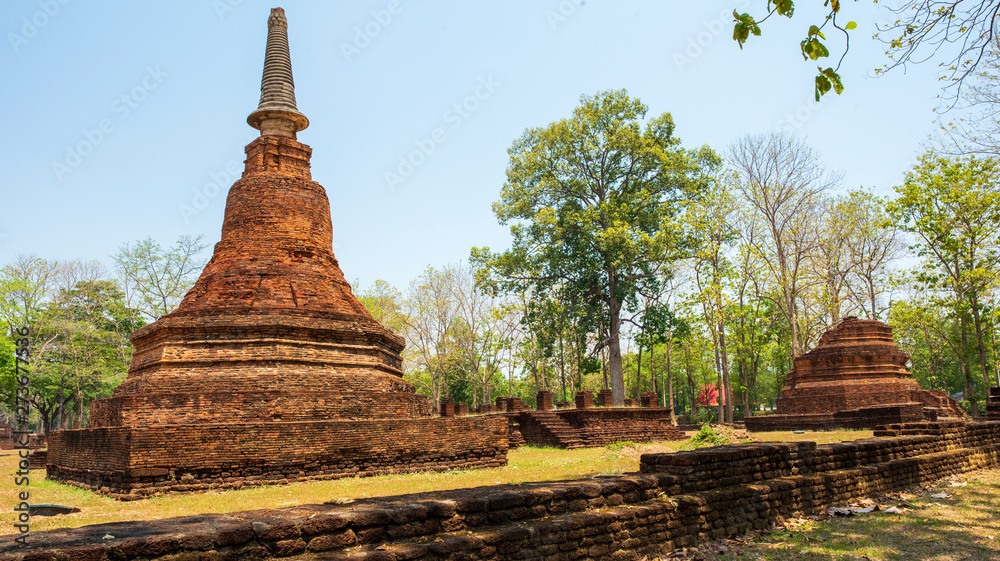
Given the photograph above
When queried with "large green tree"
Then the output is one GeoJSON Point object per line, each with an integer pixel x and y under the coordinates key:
{"type": "Point", "coordinates": [952, 207]}
{"type": "Point", "coordinates": [593, 203]}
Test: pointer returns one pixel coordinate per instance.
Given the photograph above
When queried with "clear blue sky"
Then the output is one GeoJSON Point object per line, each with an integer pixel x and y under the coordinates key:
{"type": "Point", "coordinates": [190, 73]}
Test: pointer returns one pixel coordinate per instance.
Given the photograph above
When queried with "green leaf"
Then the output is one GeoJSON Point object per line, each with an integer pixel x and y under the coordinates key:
{"type": "Point", "coordinates": [826, 80]}
{"type": "Point", "coordinates": [813, 49]}
{"type": "Point", "coordinates": [822, 86]}
{"type": "Point", "coordinates": [745, 25]}
{"type": "Point", "coordinates": [784, 7]}
{"type": "Point", "coordinates": [814, 31]}
{"type": "Point", "coordinates": [851, 25]}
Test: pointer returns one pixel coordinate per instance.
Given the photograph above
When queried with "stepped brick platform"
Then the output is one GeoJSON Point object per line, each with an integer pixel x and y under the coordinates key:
{"type": "Point", "coordinates": [856, 377]}
{"type": "Point", "coordinates": [993, 405]}
{"type": "Point", "coordinates": [677, 500]}
{"type": "Point", "coordinates": [270, 369]}
{"type": "Point", "coordinates": [588, 426]}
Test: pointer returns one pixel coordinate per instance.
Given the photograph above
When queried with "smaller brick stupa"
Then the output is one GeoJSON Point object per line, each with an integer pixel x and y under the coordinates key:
{"type": "Point", "coordinates": [856, 377]}
{"type": "Point", "coordinates": [270, 370]}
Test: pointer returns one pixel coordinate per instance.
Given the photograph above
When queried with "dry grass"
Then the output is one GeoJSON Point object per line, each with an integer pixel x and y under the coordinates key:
{"type": "Point", "coordinates": [962, 527]}
{"type": "Point", "coordinates": [524, 464]}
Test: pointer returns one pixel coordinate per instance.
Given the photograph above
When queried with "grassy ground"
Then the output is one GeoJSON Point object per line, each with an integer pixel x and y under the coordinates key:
{"type": "Point", "coordinates": [963, 526]}
{"type": "Point", "coordinates": [524, 464]}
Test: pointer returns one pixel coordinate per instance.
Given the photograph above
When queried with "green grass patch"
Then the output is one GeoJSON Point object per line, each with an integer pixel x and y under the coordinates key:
{"type": "Point", "coordinates": [616, 446]}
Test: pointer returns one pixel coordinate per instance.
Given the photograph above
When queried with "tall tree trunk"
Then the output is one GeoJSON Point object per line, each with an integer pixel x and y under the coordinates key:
{"type": "Point", "coordinates": [638, 374]}
{"type": "Point", "coordinates": [604, 368]}
{"type": "Point", "coordinates": [833, 293]}
{"type": "Point", "coordinates": [871, 297]}
{"type": "Point", "coordinates": [474, 394]}
{"type": "Point", "coordinates": [741, 371]}
{"type": "Point", "coordinates": [727, 388]}
{"type": "Point", "coordinates": [793, 325]}
{"type": "Point", "coordinates": [983, 362]}
{"type": "Point", "coordinates": [970, 389]}
{"type": "Point", "coordinates": [62, 397]}
{"type": "Point", "coordinates": [670, 383]}
{"type": "Point", "coordinates": [652, 372]}
{"type": "Point", "coordinates": [690, 380]}
{"type": "Point", "coordinates": [79, 405]}
{"type": "Point", "coordinates": [562, 362]}
{"type": "Point", "coordinates": [614, 349]}
{"type": "Point", "coordinates": [718, 384]}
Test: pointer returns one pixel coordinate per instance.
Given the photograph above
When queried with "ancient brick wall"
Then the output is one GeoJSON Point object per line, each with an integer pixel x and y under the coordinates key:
{"type": "Point", "coordinates": [600, 427]}
{"type": "Point", "coordinates": [699, 495]}
{"type": "Point", "coordinates": [574, 428]}
{"type": "Point", "coordinates": [510, 404]}
{"type": "Point", "coordinates": [278, 404]}
{"type": "Point", "coordinates": [135, 462]}
{"type": "Point", "coordinates": [545, 401]}
{"type": "Point", "coordinates": [862, 418]}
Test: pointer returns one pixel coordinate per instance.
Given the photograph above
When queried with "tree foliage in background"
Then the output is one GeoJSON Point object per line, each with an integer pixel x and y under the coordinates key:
{"type": "Point", "coordinates": [154, 280]}
{"type": "Point", "coordinates": [636, 265]}
{"type": "Point", "coordinates": [783, 183]}
{"type": "Point", "coordinates": [593, 202]}
{"type": "Point", "coordinates": [80, 321]}
{"type": "Point", "coordinates": [952, 206]}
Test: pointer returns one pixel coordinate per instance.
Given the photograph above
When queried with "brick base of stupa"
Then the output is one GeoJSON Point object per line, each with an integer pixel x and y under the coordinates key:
{"type": "Point", "coordinates": [137, 462]}
{"type": "Point", "coordinates": [855, 378]}
{"type": "Point", "coordinates": [993, 405]}
{"type": "Point", "coordinates": [856, 419]}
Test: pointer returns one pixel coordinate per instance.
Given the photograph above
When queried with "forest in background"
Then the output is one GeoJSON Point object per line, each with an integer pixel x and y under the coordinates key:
{"type": "Point", "coordinates": [637, 265]}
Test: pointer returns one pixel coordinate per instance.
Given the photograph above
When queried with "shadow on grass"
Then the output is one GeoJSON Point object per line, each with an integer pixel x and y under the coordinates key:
{"type": "Point", "coordinates": [963, 527]}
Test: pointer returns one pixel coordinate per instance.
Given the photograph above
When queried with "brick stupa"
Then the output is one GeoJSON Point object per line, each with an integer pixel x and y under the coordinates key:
{"type": "Point", "coordinates": [856, 377]}
{"type": "Point", "coordinates": [270, 370]}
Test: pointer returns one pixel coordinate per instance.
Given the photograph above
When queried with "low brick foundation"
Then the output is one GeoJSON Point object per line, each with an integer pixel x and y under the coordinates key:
{"type": "Point", "coordinates": [857, 419]}
{"type": "Point", "coordinates": [600, 427]}
{"type": "Point", "coordinates": [591, 427]}
{"type": "Point", "coordinates": [681, 499]}
{"type": "Point", "coordinates": [38, 458]}
{"type": "Point", "coordinates": [993, 405]}
{"type": "Point", "coordinates": [136, 462]}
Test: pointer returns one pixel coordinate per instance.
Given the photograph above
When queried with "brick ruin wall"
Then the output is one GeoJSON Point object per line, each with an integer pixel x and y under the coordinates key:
{"type": "Point", "coordinates": [678, 500]}
{"type": "Point", "coordinates": [862, 418]}
{"type": "Point", "coordinates": [303, 405]}
{"type": "Point", "coordinates": [136, 462]}
{"type": "Point", "coordinates": [600, 427]}
{"type": "Point", "coordinates": [590, 427]}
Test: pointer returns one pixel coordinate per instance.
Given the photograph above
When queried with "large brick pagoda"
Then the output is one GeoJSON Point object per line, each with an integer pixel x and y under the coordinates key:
{"type": "Point", "coordinates": [270, 369]}
{"type": "Point", "coordinates": [856, 377]}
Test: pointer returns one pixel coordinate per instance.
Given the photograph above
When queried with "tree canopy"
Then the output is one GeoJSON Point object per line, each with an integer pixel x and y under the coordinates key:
{"type": "Point", "coordinates": [593, 202]}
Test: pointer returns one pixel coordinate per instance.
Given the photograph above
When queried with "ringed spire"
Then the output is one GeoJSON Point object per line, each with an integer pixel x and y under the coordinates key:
{"type": "Point", "coordinates": [276, 114]}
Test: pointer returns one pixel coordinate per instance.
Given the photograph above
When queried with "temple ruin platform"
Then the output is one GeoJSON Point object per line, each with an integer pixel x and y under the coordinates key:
{"type": "Point", "coordinates": [855, 378]}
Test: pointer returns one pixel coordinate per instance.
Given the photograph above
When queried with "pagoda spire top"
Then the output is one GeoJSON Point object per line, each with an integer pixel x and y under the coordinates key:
{"type": "Point", "coordinates": [276, 113]}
